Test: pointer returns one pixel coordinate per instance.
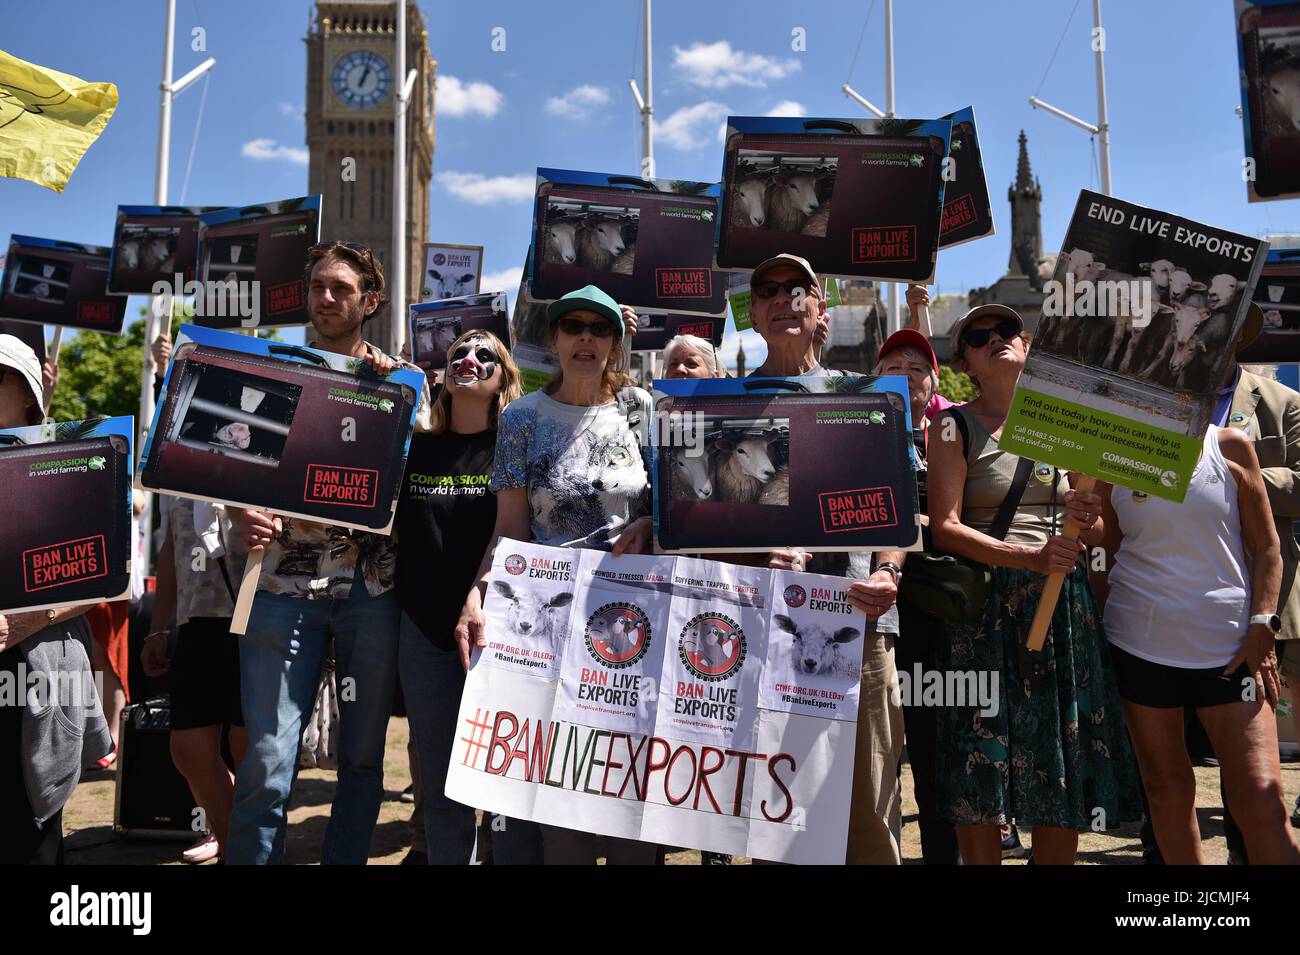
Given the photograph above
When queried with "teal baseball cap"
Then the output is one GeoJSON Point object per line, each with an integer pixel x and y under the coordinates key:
{"type": "Point", "coordinates": [592, 299]}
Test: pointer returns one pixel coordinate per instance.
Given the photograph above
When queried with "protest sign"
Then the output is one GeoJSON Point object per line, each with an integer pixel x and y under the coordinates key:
{"type": "Point", "coordinates": [450, 271]}
{"type": "Point", "coordinates": [1134, 341]}
{"type": "Point", "coordinates": [668, 700]}
{"type": "Point", "coordinates": [1268, 56]}
{"type": "Point", "coordinates": [65, 497]}
{"type": "Point", "coordinates": [653, 332]}
{"type": "Point", "coordinates": [286, 429]}
{"type": "Point", "coordinates": [435, 325]}
{"type": "Point", "coordinates": [861, 198]}
{"type": "Point", "coordinates": [821, 463]}
{"type": "Point", "coordinates": [251, 264]}
{"type": "Point", "coordinates": [59, 283]}
{"type": "Point", "coordinates": [967, 212]}
{"type": "Point", "coordinates": [154, 244]}
{"type": "Point", "coordinates": [648, 243]}
{"type": "Point", "coordinates": [1278, 296]}
{"type": "Point", "coordinates": [530, 341]}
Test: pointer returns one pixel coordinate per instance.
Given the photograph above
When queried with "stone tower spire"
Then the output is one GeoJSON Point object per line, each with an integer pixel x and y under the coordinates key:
{"type": "Point", "coordinates": [1025, 197]}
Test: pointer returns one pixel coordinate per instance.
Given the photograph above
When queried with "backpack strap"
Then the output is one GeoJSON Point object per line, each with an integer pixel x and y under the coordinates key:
{"type": "Point", "coordinates": [1007, 509]}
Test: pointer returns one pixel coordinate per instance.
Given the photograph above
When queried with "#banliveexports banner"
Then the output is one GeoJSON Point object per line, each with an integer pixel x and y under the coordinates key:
{"type": "Point", "coordinates": [671, 700]}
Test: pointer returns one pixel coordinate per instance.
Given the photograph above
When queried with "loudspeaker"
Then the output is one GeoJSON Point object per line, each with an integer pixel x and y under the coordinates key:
{"type": "Point", "coordinates": [153, 798]}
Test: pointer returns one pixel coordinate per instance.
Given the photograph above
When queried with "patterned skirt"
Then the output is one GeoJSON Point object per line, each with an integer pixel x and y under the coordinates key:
{"type": "Point", "coordinates": [1056, 752]}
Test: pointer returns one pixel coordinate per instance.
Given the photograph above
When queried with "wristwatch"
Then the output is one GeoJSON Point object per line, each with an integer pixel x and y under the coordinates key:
{"type": "Point", "coordinates": [894, 570]}
{"type": "Point", "coordinates": [1270, 620]}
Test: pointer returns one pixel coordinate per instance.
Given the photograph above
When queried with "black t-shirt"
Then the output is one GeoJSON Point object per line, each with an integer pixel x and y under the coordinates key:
{"type": "Point", "coordinates": [444, 522]}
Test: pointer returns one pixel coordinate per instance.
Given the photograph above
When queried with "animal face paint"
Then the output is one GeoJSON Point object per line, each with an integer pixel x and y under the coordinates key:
{"type": "Point", "coordinates": [474, 359]}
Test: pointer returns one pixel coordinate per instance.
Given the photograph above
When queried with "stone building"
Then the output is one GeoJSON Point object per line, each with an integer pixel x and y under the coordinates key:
{"type": "Point", "coordinates": [350, 89]}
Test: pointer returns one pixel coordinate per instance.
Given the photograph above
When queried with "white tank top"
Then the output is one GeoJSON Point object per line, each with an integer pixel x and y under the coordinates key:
{"type": "Point", "coordinates": [1180, 586]}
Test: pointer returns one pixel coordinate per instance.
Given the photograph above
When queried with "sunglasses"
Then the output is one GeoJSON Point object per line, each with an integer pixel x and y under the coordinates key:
{"type": "Point", "coordinates": [768, 289]}
{"type": "Point", "coordinates": [598, 329]}
{"type": "Point", "coordinates": [978, 338]}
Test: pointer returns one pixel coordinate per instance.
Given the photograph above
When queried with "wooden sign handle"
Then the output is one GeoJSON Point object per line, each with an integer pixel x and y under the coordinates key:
{"type": "Point", "coordinates": [54, 345]}
{"type": "Point", "coordinates": [1052, 587]}
{"type": "Point", "coordinates": [247, 591]}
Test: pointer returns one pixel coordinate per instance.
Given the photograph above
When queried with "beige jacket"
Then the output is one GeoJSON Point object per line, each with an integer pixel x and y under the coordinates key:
{"type": "Point", "coordinates": [1269, 414]}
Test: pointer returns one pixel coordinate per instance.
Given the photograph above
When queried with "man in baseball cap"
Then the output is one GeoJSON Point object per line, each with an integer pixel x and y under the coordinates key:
{"type": "Point", "coordinates": [21, 401]}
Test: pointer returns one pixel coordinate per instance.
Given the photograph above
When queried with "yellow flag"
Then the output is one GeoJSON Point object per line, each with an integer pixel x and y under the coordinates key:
{"type": "Point", "coordinates": [48, 120]}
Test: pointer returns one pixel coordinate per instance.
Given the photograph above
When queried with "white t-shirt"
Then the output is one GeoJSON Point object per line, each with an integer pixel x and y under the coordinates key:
{"type": "Point", "coordinates": [582, 467]}
{"type": "Point", "coordinates": [1180, 587]}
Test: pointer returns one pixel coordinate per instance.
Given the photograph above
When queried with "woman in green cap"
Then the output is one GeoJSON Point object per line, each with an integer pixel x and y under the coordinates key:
{"type": "Point", "coordinates": [568, 472]}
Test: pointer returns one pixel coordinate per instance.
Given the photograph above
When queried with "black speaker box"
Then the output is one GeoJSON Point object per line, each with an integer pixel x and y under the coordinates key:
{"type": "Point", "coordinates": [153, 798]}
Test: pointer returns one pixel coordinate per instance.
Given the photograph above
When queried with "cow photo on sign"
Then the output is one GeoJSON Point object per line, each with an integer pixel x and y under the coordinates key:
{"type": "Point", "coordinates": [154, 244]}
{"type": "Point", "coordinates": [1268, 52]}
{"type": "Point", "coordinates": [65, 491]}
{"type": "Point", "coordinates": [286, 429]}
{"type": "Point", "coordinates": [435, 325]}
{"type": "Point", "coordinates": [59, 283]}
{"type": "Point", "coordinates": [647, 242]}
{"type": "Point", "coordinates": [450, 271]}
{"type": "Point", "coordinates": [252, 259]}
{"type": "Point", "coordinates": [821, 463]}
{"type": "Point", "coordinates": [861, 198]}
{"type": "Point", "coordinates": [1130, 352]}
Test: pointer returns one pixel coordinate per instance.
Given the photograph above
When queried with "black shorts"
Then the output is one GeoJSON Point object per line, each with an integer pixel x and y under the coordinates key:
{"type": "Point", "coordinates": [205, 675]}
{"type": "Point", "coordinates": [1166, 687]}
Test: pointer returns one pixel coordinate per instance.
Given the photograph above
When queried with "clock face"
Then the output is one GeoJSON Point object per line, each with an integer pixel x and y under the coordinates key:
{"type": "Point", "coordinates": [362, 79]}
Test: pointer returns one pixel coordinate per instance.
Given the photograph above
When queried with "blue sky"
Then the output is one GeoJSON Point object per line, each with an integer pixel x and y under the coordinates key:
{"type": "Point", "coordinates": [558, 96]}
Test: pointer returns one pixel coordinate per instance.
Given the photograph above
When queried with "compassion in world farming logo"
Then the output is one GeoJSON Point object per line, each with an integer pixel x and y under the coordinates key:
{"type": "Point", "coordinates": [795, 596]}
{"type": "Point", "coordinates": [712, 646]}
{"type": "Point", "coordinates": [515, 564]}
{"type": "Point", "coordinates": [618, 635]}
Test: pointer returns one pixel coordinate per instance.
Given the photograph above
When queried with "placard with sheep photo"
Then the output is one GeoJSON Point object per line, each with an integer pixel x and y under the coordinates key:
{"type": "Point", "coordinates": [671, 700]}
{"type": "Point", "coordinates": [450, 271]}
{"type": "Point", "coordinates": [435, 325]}
{"type": "Point", "coordinates": [820, 463]}
{"type": "Point", "coordinates": [154, 244]}
{"type": "Point", "coordinates": [251, 261]}
{"type": "Point", "coordinates": [1133, 344]}
{"type": "Point", "coordinates": [1278, 296]}
{"type": "Point", "coordinates": [1268, 53]}
{"type": "Point", "coordinates": [861, 198]}
{"type": "Point", "coordinates": [65, 489]}
{"type": "Point", "coordinates": [290, 430]}
{"type": "Point", "coordinates": [51, 282]}
{"type": "Point", "coordinates": [647, 242]}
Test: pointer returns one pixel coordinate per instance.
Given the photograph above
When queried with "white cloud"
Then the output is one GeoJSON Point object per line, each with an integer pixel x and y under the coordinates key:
{"type": "Point", "coordinates": [288, 109]}
{"type": "Point", "coordinates": [506, 280]}
{"type": "Point", "coordinates": [484, 190]}
{"type": "Point", "coordinates": [691, 126]}
{"type": "Point", "coordinates": [717, 66]}
{"type": "Point", "coordinates": [788, 107]}
{"type": "Point", "coordinates": [455, 98]}
{"type": "Point", "coordinates": [271, 149]}
{"type": "Point", "coordinates": [578, 103]}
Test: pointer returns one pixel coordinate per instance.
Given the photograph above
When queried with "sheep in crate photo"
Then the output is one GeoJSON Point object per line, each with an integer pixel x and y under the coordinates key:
{"type": "Point", "coordinates": [782, 192]}
{"type": "Point", "coordinates": [743, 461]}
{"type": "Point", "coordinates": [593, 235]}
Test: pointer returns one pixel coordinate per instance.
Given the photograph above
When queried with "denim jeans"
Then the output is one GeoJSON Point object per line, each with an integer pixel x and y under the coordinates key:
{"type": "Point", "coordinates": [280, 660]}
{"type": "Point", "coordinates": [432, 681]}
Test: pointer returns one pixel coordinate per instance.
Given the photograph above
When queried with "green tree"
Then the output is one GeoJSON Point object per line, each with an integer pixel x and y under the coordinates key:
{"type": "Point", "coordinates": [955, 385]}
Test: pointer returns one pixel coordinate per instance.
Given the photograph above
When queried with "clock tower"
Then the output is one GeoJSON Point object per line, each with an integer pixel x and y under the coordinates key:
{"type": "Point", "coordinates": [351, 85]}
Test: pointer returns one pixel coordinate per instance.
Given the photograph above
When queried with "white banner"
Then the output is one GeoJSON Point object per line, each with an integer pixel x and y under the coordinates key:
{"type": "Point", "coordinates": [670, 700]}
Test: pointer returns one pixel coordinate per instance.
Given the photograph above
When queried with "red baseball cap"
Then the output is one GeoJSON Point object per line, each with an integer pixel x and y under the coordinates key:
{"type": "Point", "coordinates": [909, 338]}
